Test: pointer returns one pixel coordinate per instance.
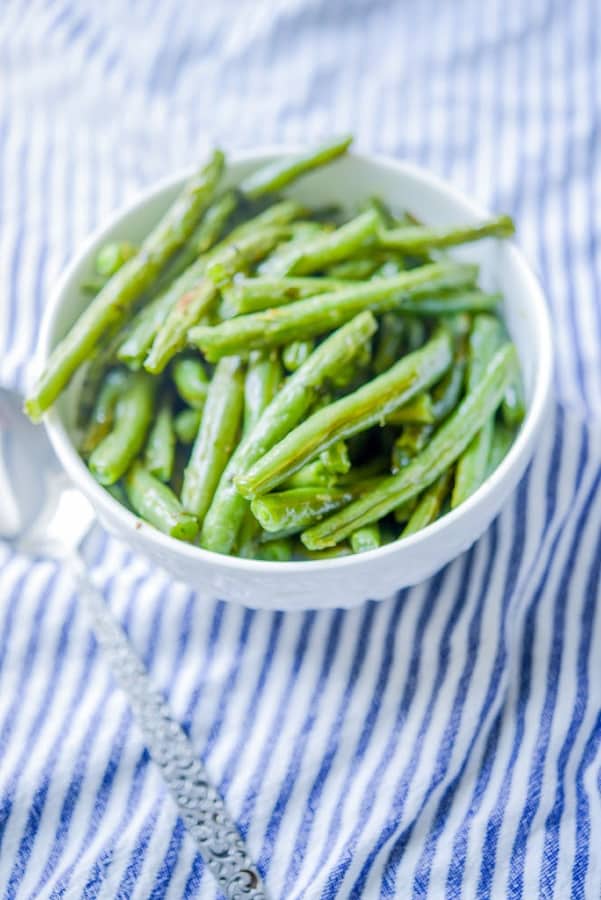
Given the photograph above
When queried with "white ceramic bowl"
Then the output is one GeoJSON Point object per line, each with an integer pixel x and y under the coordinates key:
{"type": "Point", "coordinates": [350, 580]}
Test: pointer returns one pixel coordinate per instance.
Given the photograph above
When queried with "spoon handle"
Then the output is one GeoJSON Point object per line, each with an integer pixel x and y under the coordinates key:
{"type": "Point", "coordinates": [200, 806]}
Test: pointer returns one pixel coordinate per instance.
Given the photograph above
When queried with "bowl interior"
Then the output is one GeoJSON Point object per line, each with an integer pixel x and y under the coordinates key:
{"type": "Point", "coordinates": [346, 183]}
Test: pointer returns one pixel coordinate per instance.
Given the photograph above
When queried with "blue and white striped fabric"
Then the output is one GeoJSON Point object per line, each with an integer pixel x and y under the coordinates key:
{"type": "Point", "coordinates": [446, 742]}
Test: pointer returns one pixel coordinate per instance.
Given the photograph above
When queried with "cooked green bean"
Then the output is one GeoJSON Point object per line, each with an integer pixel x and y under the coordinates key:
{"type": "Point", "coordinates": [411, 441]}
{"type": "Point", "coordinates": [390, 341]}
{"type": "Point", "coordinates": [451, 303]}
{"type": "Point", "coordinates": [245, 251]}
{"type": "Point", "coordinates": [429, 505]}
{"type": "Point", "coordinates": [191, 380]}
{"type": "Point", "coordinates": [261, 384]}
{"type": "Point", "coordinates": [277, 550]}
{"type": "Point", "coordinates": [446, 446]}
{"type": "Point", "coordinates": [314, 474]}
{"type": "Point", "coordinates": [418, 411]}
{"type": "Point", "coordinates": [366, 538]}
{"type": "Point", "coordinates": [357, 269]}
{"type": "Point", "coordinates": [295, 354]}
{"type": "Point", "coordinates": [216, 439]}
{"type": "Point", "coordinates": [502, 439]}
{"type": "Point", "coordinates": [159, 453]}
{"type": "Point", "coordinates": [289, 512]}
{"type": "Point", "coordinates": [355, 412]}
{"type": "Point", "coordinates": [418, 238]}
{"type": "Point", "coordinates": [101, 419]}
{"type": "Point", "coordinates": [133, 415]}
{"type": "Point", "coordinates": [157, 503]}
{"type": "Point", "coordinates": [171, 337]}
{"type": "Point", "coordinates": [316, 315]}
{"type": "Point", "coordinates": [485, 337]}
{"type": "Point", "coordinates": [513, 408]}
{"type": "Point", "coordinates": [186, 424]}
{"type": "Point", "coordinates": [324, 250]}
{"type": "Point", "coordinates": [282, 172]}
{"type": "Point", "coordinates": [109, 308]}
{"type": "Point", "coordinates": [335, 458]}
{"type": "Point", "coordinates": [112, 256]}
{"type": "Point", "coordinates": [247, 295]}
{"type": "Point", "coordinates": [223, 520]}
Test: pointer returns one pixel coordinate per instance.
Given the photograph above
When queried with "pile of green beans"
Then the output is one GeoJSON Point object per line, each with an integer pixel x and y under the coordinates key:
{"type": "Point", "coordinates": [279, 382]}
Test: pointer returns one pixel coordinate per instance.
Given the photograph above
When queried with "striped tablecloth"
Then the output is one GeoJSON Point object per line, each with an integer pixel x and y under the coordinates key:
{"type": "Point", "coordinates": [444, 743]}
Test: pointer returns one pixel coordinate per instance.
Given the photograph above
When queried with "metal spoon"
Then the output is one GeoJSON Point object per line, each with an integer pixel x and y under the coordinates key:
{"type": "Point", "coordinates": [42, 515]}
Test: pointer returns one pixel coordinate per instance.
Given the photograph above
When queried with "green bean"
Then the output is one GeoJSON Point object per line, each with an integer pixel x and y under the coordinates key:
{"type": "Point", "coordinates": [245, 251]}
{"type": "Point", "coordinates": [417, 239]}
{"type": "Point", "coordinates": [159, 453]}
{"type": "Point", "coordinates": [101, 419]}
{"type": "Point", "coordinates": [404, 511]}
{"type": "Point", "coordinates": [186, 424]}
{"type": "Point", "coordinates": [171, 337]}
{"type": "Point", "coordinates": [316, 315]}
{"type": "Point", "coordinates": [411, 441]}
{"type": "Point", "coordinates": [513, 408]}
{"type": "Point", "coordinates": [415, 332]}
{"type": "Point", "coordinates": [225, 515]}
{"type": "Point", "coordinates": [325, 249]}
{"type": "Point", "coordinates": [279, 550]}
{"type": "Point", "coordinates": [450, 304]}
{"type": "Point", "coordinates": [133, 416]}
{"type": "Point", "coordinates": [112, 256]}
{"type": "Point", "coordinates": [191, 381]}
{"type": "Point", "coordinates": [429, 505]}
{"type": "Point", "coordinates": [93, 375]}
{"type": "Point", "coordinates": [262, 382]}
{"type": "Point", "coordinates": [485, 338]}
{"type": "Point", "coordinates": [157, 504]}
{"type": "Point", "coordinates": [446, 446]}
{"type": "Point", "coordinates": [446, 394]}
{"type": "Point", "coordinates": [385, 216]}
{"type": "Point", "coordinates": [330, 553]}
{"type": "Point", "coordinates": [109, 308]}
{"type": "Point", "coordinates": [389, 268]}
{"type": "Point", "coordinates": [276, 175]}
{"type": "Point", "coordinates": [336, 458]}
{"type": "Point", "coordinates": [314, 474]}
{"type": "Point", "coordinates": [390, 339]}
{"type": "Point", "coordinates": [117, 492]}
{"type": "Point", "coordinates": [502, 439]}
{"type": "Point", "coordinates": [277, 214]}
{"type": "Point", "coordinates": [355, 412]}
{"type": "Point", "coordinates": [418, 411]}
{"type": "Point", "coordinates": [366, 538]}
{"type": "Point", "coordinates": [247, 295]}
{"type": "Point", "coordinates": [357, 269]}
{"type": "Point", "coordinates": [288, 512]}
{"type": "Point", "coordinates": [295, 354]}
{"type": "Point", "coordinates": [216, 437]}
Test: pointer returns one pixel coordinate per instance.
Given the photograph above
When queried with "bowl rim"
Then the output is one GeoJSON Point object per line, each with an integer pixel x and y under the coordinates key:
{"type": "Point", "coordinates": [82, 477]}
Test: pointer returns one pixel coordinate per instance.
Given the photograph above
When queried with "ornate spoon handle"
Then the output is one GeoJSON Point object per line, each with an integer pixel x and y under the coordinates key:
{"type": "Point", "coordinates": [200, 806]}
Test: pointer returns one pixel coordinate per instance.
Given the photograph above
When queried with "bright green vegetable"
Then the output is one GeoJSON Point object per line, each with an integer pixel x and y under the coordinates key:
{"type": "Point", "coordinates": [418, 238]}
{"type": "Point", "coordinates": [418, 411]}
{"type": "Point", "coordinates": [513, 408]}
{"type": "Point", "coordinates": [429, 505]}
{"type": "Point", "coordinates": [295, 354]}
{"type": "Point", "coordinates": [101, 419]}
{"type": "Point", "coordinates": [390, 342]}
{"type": "Point", "coordinates": [112, 256]}
{"type": "Point", "coordinates": [314, 474]}
{"type": "Point", "coordinates": [157, 503]}
{"type": "Point", "coordinates": [247, 295]}
{"type": "Point", "coordinates": [446, 446]}
{"type": "Point", "coordinates": [279, 550]}
{"type": "Point", "coordinates": [245, 251]}
{"type": "Point", "coordinates": [109, 308]}
{"type": "Point", "coordinates": [317, 315]}
{"type": "Point", "coordinates": [451, 303]}
{"type": "Point", "coordinates": [133, 415]}
{"type": "Point", "coordinates": [280, 173]}
{"type": "Point", "coordinates": [366, 538]}
{"type": "Point", "coordinates": [502, 439]}
{"type": "Point", "coordinates": [288, 512]}
{"type": "Point", "coordinates": [335, 458]}
{"type": "Point", "coordinates": [191, 380]}
{"type": "Point", "coordinates": [159, 453]}
{"type": "Point", "coordinates": [223, 520]}
{"type": "Point", "coordinates": [171, 337]}
{"type": "Point", "coordinates": [410, 442]}
{"type": "Point", "coordinates": [217, 436]}
{"type": "Point", "coordinates": [351, 414]}
{"type": "Point", "coordinates": [326, 249]}
{"type": "Point", "coordinates": [485, 337]}
{"type": "Point", "coordinates": [262, 382]}
{"type": "Point", "coordinates": [360, 268]}
{"type": "Point", "coordinates": [186, 424]}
